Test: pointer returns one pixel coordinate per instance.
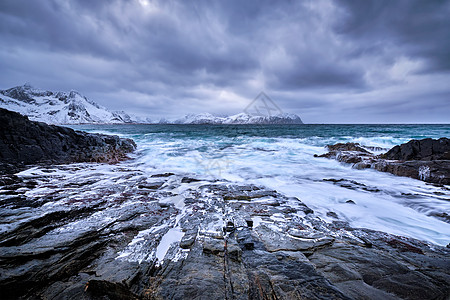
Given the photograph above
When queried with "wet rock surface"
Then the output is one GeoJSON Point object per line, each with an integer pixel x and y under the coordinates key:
{"type": "Point", "coordinates": [426, 149]}
{"type": "Point", "coordinates": [24, 142]}
{"type": "Point", "coordinates": [427, 159]}
{"type": "Point", "coordinates": [93, 231]}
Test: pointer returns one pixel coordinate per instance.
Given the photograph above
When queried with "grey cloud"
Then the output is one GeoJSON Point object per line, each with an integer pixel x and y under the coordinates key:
{"type": "Point", "coordinates": [181, 56]}
{"type": "Point", "coordinates": [413, 28]}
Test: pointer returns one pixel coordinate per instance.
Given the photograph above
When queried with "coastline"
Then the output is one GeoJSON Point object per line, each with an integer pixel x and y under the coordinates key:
{"type": "Point", "coordinates": [119, 231]}
{"type": "Point", "coordinates": [166, 235]}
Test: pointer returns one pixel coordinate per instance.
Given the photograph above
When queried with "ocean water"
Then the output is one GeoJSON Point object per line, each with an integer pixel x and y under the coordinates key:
{"type": "Point", "coordinates": [281, 157]}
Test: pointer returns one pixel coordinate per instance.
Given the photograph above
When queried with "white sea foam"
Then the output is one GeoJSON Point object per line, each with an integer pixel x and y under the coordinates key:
{"type": "Point", "coordinates": [174, 235]}
{"type": "Point", "coordinates": [393, 204]}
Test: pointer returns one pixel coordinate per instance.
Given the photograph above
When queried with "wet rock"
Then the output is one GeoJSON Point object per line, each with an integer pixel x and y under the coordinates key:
{"type": "Point", "coordinates": [361, 272]}
{"type": "Point", "coordinates": [214, 246]}
{"type": "Point", "coordinates": [442, 215]}
{"type": "Point", "coordinates": [189, 180]}
{"type": "Point", "coordinates": [351, 184]}
{"type": "Point", "coordinates": [233, 250]}
{"type": "Point", "coordinates": [427, 159]}
{"type": "Point", "coordinates": [24, 142]}
{"type": "Point", "coordinates": [230, 227]}
{"type": "Point", "coordinates": [404, 246]}
{"type": "Point", "coordinates": [246, 240]}
{"type": "Point", "coordinates": [332, 214]}
{"type": "Point", "coordinates": [425, 149]}
{"type": "Point", "coordinates": [162, 175]}
{"type": "Point", "coordinates": [151, 185]}
{"type": "Point", "coordinates": [429, 171]}
{"type": "Point", "coordinates": [101, 289]}
{"type": "Point", "coordinates": [277, 241]}
{"type": "Point", "coordinates": [347, 147]}
{"type": "Point", "coordinates": [85, 244]}
{"type": "Point", "coordinates": [188, 239]}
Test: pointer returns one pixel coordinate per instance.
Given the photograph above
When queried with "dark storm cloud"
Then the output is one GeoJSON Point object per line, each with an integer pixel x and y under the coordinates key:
{"type": "Point", "coordinates": [315, 58]}
{"type": "Point", "coordinates": [415, 28]}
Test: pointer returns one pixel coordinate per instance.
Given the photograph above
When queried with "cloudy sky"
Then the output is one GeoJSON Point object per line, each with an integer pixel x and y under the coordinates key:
{"type": "Point", "coordinates": [378, 61]}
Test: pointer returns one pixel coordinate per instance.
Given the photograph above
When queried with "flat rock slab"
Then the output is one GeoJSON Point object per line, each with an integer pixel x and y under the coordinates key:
{"type": "Point", "coordinates": [138, 236]}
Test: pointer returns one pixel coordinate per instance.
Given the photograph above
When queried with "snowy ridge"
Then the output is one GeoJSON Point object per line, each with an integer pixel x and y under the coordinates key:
{"type": "Point", "coordinates": [73, 108]}
{"type": "Point", "coordinates": [242, 118]}
{"type": "Point", "coordinates": [59, 107]}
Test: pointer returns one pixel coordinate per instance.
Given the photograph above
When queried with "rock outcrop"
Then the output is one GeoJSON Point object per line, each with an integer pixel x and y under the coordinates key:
{"type": "Point", "coordinates": [162, 236]}
{"type": "Point", "coordinates": [425, 150]}
{"type": "Point", "coordinates": [24, 142]}
{"type": "Point", "coordinates": [426, 159]}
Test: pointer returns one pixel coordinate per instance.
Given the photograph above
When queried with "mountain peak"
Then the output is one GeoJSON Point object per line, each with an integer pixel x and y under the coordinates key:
{"type": "Point", "coordinates": [241, 118]}
{"type": "Point", "coordinates": [27, 86]}
{"type": "Point", "coordinates": [57, 107]}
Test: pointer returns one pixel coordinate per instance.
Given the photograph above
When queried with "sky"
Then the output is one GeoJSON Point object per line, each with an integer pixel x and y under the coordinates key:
{"type": "Point", "coordinates": [372, 61]}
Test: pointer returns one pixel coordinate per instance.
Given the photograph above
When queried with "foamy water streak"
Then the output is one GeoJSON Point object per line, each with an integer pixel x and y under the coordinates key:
{"type": "Point", "coordinates": [281, 157]}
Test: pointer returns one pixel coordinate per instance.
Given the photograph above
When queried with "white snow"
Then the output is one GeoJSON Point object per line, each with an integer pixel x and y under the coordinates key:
{"type": "Point", "coordinates": [59, 107]}
{"type": "Point", "coordinates": [73, 108]}
{"type": "Point", "coordinates": [242, 118]}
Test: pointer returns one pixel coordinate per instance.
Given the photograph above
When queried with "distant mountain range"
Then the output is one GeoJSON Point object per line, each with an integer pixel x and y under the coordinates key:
{"type": "Point", "coordinates": [59, 107]}
{"type": "Point", "coordinates": [73, 108]}
{"type": "Point", "coordinates": [241, 118]}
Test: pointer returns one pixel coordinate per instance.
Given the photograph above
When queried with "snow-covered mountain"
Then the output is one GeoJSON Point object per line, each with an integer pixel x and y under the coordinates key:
{"type": "Point", "coordinates": [59, 107]}
{"type": "Point", "coordinates": [73, 108]}
{"type": "Point", "coordinates": [242, 118]}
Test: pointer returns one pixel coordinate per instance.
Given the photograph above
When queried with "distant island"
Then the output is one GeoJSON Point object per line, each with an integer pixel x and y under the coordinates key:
{"type": "Point", "coordinates": [72, 108]}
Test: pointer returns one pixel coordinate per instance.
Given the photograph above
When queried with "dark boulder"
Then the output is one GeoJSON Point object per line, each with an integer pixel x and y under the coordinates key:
{"type": "Point", "coordinates": [24, 142]}
{"type": "Point", "coordinates": [427, 159]}
{"type": "Point", "coordinates": [347, 147]}
{"type": "Point", "coordinates": [426, 149]}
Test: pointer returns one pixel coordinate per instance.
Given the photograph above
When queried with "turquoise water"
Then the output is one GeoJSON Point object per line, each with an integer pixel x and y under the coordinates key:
{"type": "Point", "coordinates": [282, 157]}
{"type": "Point", "coordinates": [342, 132]}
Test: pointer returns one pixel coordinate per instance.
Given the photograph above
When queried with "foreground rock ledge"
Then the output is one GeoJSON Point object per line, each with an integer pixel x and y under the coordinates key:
{"type": "Point", "coordinates": [426, 159]}
{"type": "Point", "coordinates": [24, 142]}
{"type": "Point", "coordinates": [166, 236]}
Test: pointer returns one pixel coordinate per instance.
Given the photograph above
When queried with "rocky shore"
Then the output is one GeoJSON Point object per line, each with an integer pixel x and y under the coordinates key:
{"type": "Point", "coordinates": [24, 142]}
{"type": "Point", "coordinates": [134, 235]}
{"type": "Point", "coordinates": [114, 231]}
{"type": "Point", "coordinates": [426, 159]}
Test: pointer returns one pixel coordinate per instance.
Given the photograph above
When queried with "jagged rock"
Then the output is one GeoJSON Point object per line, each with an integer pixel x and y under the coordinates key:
{"type": "Point", "coordinates": [24, 142]}
{"type": "Point", "coordinates": [347, 147]}
{"type": "Point", "coordinates": [97, 240]}
{"type": "Point", "coordinates": [427, 159]}
{"type": "Point", "coordinates": [426, 149]}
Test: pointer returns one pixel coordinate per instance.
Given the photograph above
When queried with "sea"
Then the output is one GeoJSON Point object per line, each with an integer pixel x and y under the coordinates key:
{"type": "Point", "coordinates": [281, 157]}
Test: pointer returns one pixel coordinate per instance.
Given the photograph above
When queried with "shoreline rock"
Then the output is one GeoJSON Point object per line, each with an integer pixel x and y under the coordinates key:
{"type": "Point", "coordinates": [170, 236]}
{"type": "Point", "coordinates": [24, 142]}
{"type": "Point", "coordinates": [78, 239]}
{"type": "Point", "coordinates": [427, 159]}
{"type": "Point", "coordinates": [235, 245]}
